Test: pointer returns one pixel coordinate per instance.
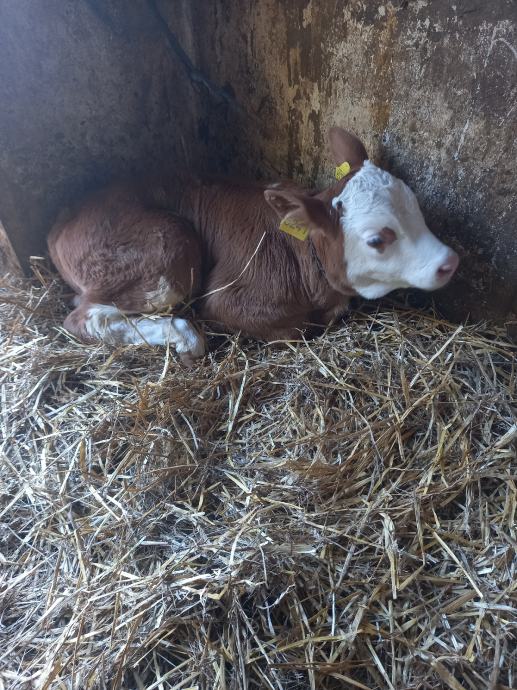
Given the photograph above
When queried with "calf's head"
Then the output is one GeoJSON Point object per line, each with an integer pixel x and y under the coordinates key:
{"type": "Point", "coordinates": [387, 243]}
{"type": "Point", "coordinates": [368, 229]}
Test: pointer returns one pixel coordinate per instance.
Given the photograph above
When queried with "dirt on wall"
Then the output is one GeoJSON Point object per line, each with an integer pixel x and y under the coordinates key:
{"type": "Point", "coordinates": [96, 89]}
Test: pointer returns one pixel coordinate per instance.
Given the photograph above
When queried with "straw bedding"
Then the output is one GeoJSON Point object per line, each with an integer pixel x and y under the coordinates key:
{"type": "Point", "coordinates": [338, 513]}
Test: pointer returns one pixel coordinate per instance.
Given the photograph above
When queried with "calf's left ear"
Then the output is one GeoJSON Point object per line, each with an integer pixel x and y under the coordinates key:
{"type": "Point", "coordinates": [304, 209]}
{"type": "Point", "coordinates": [345, 146]}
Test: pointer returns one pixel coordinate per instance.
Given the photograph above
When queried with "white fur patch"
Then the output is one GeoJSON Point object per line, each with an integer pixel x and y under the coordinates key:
{"type": "Point", "coordinates": [102, 322]}
{"type": "Point", "coordinates": [374, 199]}
{"type": "Point", "coordinates": [187, 338]}
{"type": "Point", "coordinates": [108, 324]}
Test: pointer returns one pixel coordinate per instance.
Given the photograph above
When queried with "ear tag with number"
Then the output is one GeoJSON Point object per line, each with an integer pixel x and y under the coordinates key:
{"type": "Point", "coordinates": [291, 228]}
{"type": "Point", "coordinates": [342, 170]}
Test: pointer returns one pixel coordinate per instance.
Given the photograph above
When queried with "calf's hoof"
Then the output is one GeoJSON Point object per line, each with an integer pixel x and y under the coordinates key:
{"type": "Point", "coordinates": [191, 344]}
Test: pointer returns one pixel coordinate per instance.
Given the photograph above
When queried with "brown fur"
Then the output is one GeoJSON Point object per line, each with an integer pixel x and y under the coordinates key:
{"type": "Point", "coordinates": [199, 236]}
{"type": "Point", "coordinates": [114, 251]}
{"type": "Point", "coordinates": [285, 287]}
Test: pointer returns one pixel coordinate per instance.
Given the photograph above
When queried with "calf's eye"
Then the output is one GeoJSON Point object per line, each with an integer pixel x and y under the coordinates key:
{"type": "Point", "coordinates": [377, 242]}
{"type": "Point", "coordinates": [383, 238]}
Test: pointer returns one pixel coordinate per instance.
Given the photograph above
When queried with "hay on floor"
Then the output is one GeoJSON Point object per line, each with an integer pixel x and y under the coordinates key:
{"type": "Point", "coordinates": [338, 513]}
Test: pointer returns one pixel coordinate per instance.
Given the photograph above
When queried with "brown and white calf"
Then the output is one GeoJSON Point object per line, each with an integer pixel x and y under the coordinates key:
{"type": "Point", "coordinates": [138, 249]}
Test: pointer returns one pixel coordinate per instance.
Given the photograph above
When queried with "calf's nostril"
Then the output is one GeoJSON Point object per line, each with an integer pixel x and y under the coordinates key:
{"type": "Point", "coordinates": [449, 266]}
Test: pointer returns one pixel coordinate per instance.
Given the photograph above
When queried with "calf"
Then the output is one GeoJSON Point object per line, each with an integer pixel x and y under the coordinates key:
{"type": "Point", "coordinates": [264, 260]}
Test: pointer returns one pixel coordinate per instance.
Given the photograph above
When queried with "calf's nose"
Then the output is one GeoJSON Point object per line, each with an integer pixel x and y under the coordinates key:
{"type": "Point", "coordinates": [449, 266]}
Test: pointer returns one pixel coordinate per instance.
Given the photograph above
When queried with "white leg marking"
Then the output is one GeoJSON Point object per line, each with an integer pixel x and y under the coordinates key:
{"type": "Point", "coordinates": [110, 325]}
{"type": "Point", "coordinates": [188, 339]}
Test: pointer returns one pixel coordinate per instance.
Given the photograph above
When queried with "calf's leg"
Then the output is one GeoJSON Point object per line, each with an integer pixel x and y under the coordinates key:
{"type": "Point", "coordinates": [109, 324]}
{"type": "Point", "coordinates": [237, 310]}
{"type": "Point", "coordinates": [124, 261]}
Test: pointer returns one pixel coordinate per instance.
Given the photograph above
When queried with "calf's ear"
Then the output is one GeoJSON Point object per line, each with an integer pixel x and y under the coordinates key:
{"type": "Point", "coordinates": [282, 201]}
{"type": "Point", "coordinates": [345, 146]}
{"type": "Point", "coordinates": [301, 208]}
{"type": "Point", "coordinates": [323, 223]}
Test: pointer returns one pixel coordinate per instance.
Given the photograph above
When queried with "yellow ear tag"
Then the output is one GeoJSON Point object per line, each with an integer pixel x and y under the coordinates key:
{"type": "Point", "coordinates": [342, 170]}
{"type": "Point", "coordinates": [297, 231]}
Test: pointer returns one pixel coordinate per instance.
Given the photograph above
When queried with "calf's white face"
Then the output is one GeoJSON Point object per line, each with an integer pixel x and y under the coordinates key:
{"type": "Point", "coordinates": [387, 243]}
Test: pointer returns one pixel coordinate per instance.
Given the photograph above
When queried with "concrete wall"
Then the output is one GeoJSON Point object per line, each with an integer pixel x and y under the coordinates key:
{"type": "Point", "coordinates": [89, 90]}
{"type": "Point", "coordinates": [430, 85]}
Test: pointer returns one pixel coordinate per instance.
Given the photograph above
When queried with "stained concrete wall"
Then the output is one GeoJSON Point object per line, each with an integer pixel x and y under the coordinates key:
{"type": "Point", "coordinates": [88, 91]}
{"type": "Point", "coordinates": [430, 86]}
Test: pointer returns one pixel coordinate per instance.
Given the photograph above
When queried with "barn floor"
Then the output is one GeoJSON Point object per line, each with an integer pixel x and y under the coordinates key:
{"type": "Point", "coordinates": [337, 513]}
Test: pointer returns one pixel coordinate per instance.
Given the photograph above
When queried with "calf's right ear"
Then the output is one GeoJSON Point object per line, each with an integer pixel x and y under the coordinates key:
{"type": "Point", "coordinates": [304, 209]}
{"type": "Point", "coordinates": [282, 201]}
